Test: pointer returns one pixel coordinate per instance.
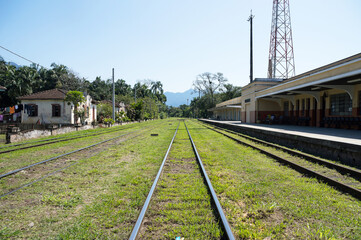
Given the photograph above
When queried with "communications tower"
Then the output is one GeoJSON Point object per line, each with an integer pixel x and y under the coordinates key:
{"type": "Point", "coordinates": [281, 62]}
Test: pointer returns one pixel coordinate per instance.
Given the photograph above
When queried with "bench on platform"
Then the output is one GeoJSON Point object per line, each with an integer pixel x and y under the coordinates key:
{"type": "Point", "coordinates": [338, 122]}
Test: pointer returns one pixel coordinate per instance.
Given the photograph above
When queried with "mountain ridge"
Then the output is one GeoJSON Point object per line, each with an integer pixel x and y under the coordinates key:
{"type": "Point", "coordinates": [175, 99]}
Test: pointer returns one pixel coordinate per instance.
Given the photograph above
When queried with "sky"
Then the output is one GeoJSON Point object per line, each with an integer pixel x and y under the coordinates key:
{"type": "Point", "coordinates": [173, 41]}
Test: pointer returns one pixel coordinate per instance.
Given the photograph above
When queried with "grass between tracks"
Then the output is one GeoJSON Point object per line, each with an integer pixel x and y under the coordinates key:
{"type": "Point", "coordinates": [181, 205]}
{"type": "Point", "coordinates": [262, 198]}
{"type": "Point", "coordinates": [99, 198]}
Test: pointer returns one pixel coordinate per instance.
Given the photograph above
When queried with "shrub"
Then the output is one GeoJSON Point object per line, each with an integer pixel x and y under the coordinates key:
{"type": "Point", "coordinates": [108, 121]}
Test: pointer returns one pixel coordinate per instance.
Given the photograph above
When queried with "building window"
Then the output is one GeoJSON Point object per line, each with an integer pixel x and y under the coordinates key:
{"type": "Point", "coordinates": [32, 110]}
{"type": "Point", "coordinates": [286, 109]}
{"type": "Point", "coordinates": [55, 110]}
{"type": "Point", "coordinates": [297, 107]}
{"type": "Point", "coordinates": [341, 104]}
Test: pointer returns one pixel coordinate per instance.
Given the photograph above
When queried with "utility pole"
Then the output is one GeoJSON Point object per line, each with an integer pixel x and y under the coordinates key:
{"type": "Point", "coordinates": [113, 96]}
{"type": "Point", "coordinates": [250, 19]}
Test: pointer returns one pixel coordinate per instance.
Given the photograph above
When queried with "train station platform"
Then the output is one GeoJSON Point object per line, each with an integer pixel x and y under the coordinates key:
{"type": "Point", "coordinates": [337, 144]}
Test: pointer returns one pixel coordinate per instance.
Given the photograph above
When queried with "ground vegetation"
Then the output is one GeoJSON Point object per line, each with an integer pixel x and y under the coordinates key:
{"type": "Point", "coordinates": [101, 196]}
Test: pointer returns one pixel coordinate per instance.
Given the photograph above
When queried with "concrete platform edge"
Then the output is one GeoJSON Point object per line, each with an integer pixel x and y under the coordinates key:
{"type": "Point", "coordinates": [346, 153]}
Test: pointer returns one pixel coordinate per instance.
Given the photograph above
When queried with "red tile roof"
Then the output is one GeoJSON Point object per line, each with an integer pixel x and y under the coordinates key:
{"type": "Point", "coordinates": [56, 93]}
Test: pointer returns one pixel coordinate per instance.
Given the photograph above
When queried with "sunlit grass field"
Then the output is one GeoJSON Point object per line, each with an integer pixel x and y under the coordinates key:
{"type": "Point", "coordinates": [100, 197]}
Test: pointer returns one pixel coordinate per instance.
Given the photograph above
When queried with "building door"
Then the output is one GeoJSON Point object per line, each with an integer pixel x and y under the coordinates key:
{"type": "Point", "coordinates": [248, 114]}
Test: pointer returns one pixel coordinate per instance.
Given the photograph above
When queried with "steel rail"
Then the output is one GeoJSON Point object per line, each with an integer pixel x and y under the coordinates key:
{"type": "Point", "coordinates": [340, 186]}
{"type": "Point", "coordinates": [225, 223]}
{"type": "Point", "coordinates": [54, 172]}
{"type": "Point", "coordinates": [340, 168]}
{"type": "Point", "coordinates": [138, 224]}
{"type": "Point", "coordinates": [59, 156]}
{"type": "Point", "coordinates": [63, 140]}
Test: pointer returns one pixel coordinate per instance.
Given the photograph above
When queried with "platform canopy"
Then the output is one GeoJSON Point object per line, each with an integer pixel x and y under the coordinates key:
{"type": "Point", "coordinates": [341, 75]}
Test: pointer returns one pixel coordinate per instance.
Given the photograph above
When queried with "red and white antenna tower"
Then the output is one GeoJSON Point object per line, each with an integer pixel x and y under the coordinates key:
{"type": "Point", "coordinates": [281, 62]}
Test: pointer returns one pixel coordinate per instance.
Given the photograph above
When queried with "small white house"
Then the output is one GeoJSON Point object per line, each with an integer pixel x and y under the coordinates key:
{"type": "Point", "coordinates": [49, 107]}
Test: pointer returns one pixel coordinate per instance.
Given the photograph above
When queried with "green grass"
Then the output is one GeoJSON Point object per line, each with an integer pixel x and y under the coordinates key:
{"type": "Point", "coordinates": [83, 133]}
{"type": "Point", "coordinates": [2, 140]}
{"type": "Point", "coordinates": [264, 199]}
{"type": "Point", "coordinates": [181, 205]}
{"type": "Point", "coordinates": [98, 198]}
{"type": "Point", "coordinates": [101, 196]}
{"type": "Point", "coordinates": [17, 159]}
{"type": "Point", "coordinates": [329, 172]}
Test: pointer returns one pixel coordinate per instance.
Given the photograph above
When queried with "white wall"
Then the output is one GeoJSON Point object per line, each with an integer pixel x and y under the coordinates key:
{"type": "Point", "coordinates": [66, 117]}
{"type": "Point", "coordinates": [45, 112]}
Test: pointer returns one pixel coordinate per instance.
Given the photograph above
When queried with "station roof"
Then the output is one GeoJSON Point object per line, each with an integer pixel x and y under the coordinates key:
{"type": "Point", "coordinates": [343, 74]}
{"type": "Point", "coordinates": [225, 107]}
{"type": "Point", "coordinates": [233, 101]}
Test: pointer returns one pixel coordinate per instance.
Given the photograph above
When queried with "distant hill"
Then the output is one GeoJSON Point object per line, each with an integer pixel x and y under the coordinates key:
{"type": "Point", "coordinates": [176, 99]}
{"type": "Point", "coordinates": [14, 64]}
{"type": "Point", "coordinates": [10, 63]}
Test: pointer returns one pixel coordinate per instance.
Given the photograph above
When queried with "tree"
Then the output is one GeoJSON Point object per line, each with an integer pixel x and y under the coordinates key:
{"type": "Point", "coordinates": [75, 97]}
{"type": "Point", "coordinates": [157, 90]}
{"type": "Point", "coordinates": [104, 110]}
{"type": "Point", "coordinates": [229, 91]}
{"type": "Point", "coordinates": [136, 111]}
{"type": "Point", "coordinates": [126, 99]}
{"type": "Point", "coordinates": [122, 88]}
{"type": "Point", "coordinates": [209, 83]}
{"type": "Point", "coordinates": [151, 109]}
{"type": "Point", "coordinates": [141, 90]}
{"type": "Point", "coordinates": [100, 90]}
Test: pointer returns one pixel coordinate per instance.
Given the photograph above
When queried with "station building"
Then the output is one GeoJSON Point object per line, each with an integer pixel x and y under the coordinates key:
{"type": "Point", "coordinates": [329, 96]}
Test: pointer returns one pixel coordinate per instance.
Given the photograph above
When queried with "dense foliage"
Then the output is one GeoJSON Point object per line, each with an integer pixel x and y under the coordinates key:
{"type": "Point", "coordinates": [146, 100]}
{"type": "Point", "coordinates": [212, 89]}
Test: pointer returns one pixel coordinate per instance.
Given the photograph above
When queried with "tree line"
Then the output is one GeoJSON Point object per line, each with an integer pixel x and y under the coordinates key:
{"type": "Point", "coordinates": [211, 88]}
{"type": "Point", "coordinates": [145, 100]}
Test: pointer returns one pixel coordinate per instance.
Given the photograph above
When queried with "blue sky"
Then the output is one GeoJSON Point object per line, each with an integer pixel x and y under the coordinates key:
{"type": "Point", "coordinates": [172, 41]}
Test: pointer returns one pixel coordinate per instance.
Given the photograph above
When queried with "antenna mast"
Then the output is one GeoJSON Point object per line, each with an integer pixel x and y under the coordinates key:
{"type": "Point", "coordinates": [281, 62]}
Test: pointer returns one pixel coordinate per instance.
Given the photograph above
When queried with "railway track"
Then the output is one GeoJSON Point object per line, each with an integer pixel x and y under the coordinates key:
{"type": "Point", "coordinates": [181, 200]}
{"type": "Point", "coordinates": [101, 145]}
{"type": "Point", "coordinates": [331, 173]}
{"type": "Point", "coordinates": [54, 140]}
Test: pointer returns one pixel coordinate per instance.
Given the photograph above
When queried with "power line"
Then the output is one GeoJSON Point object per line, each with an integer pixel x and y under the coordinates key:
{"type": "Point", "coordinates": [21, 56]}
